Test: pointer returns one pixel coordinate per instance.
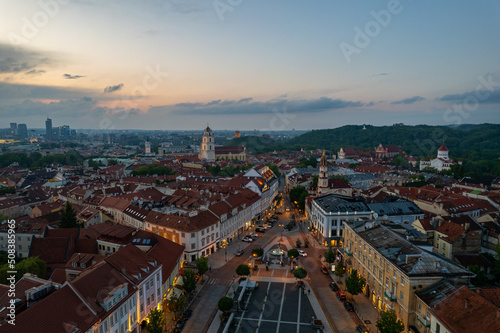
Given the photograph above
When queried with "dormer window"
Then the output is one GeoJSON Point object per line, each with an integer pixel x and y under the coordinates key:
{"type": "Point", "coordinates": [82, 265]}
{"type": "Point", "coordinates": [75, 264]}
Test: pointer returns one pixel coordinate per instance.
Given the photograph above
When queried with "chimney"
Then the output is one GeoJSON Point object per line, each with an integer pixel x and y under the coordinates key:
{"type": "Point", "coordinates": [467, 301]}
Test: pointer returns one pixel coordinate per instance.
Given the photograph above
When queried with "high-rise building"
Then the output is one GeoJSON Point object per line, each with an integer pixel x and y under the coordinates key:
{"type": "Point", "coordinates": [64, 131]}
{"type": "Point", "coordinates": [13, 129]}
{"type": "Point", "coordinates": [22, 131]}
{"type": "Point", "coordinates": [48, 129]}
{"type": "Point", "coordinates": [55, 133]}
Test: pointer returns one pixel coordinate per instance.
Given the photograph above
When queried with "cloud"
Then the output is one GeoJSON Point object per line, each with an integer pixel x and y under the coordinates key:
{"type": "Point", "coordinates": [21, 60]}
{"type": "Point", "coordinates": [381, 74]}
{"type": "Point", "coordinates": [246, 106]}
{"type": "Point", "coordinates": [72, 77]}
{"type": "Point", "coordinates": [110, 89]}
{"type": "Point", "coordinates": [481, 96]}
{"type": "Point", "coordinates": [410, 100]}
{"type": "Point", "coordinates": [370, 104]}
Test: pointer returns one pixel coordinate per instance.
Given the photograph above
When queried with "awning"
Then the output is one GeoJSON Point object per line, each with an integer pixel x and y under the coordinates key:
{"type": "Point", "coordinates": [174, 291]}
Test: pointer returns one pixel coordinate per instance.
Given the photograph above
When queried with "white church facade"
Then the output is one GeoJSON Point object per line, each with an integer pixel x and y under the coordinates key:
{"type": "Point", "coordinates": [441, 162]}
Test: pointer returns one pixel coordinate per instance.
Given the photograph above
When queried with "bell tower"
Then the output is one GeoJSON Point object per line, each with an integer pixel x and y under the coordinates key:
{"type": "Point", "coordinates": [207, 147]}
{"type": "Point", "coordinates": [323, 175]}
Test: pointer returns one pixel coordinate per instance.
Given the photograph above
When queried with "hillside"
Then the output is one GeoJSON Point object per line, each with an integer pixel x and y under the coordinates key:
{"type": "Point", "coordinates": [478, 142]}
{"type": "Point", "coordinates": [255, 144]}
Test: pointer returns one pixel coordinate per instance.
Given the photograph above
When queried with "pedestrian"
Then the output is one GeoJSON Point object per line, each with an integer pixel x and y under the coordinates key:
{"type": "Point", "coordinates": [309, 291]}
{"type": "Point", "coordinates": [210, 268]}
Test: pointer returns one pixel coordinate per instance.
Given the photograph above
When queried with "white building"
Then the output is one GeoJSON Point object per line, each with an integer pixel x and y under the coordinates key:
{"type": "Point", "coordinates": [441, 162]}
{"type": "Point", "coordinates": [207, 147]}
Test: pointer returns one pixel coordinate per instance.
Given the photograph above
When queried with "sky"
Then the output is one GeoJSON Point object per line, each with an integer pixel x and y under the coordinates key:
{"type": "Point", "coordinates": [245, 65]}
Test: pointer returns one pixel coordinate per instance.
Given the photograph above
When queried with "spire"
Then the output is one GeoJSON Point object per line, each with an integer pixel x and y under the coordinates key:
{"type": "Point", "coordinates": [323, 161]}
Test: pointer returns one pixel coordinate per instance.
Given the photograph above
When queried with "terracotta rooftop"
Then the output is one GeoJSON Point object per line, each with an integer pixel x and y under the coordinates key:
{"type": "Point", "coordinates": [466, 311]}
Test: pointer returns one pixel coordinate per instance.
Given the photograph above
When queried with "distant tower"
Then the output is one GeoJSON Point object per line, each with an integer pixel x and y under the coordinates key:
{"type": "Point", "coordinates": [207, 147]}
{"type": "Point", "coordinates": [323, 175]}
{"type": "Point", "coordinates": [22, 131]}
{"type": "Point", "coordinates": [364, 127]}
{"type": "Point", "coordinates": [147, 147]}
{"type": "Point", "coordinates": [48, 129]}
{"type": "Point", "coordinates": [237, 134]}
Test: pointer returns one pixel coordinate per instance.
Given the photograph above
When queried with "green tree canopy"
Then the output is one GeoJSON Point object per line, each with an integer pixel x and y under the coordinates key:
{"type": "Point", "coordinates": [293, 253]}
{"type": "Point", "coordinates": [153, 169]}
{"type": "Point", "coordinates": [389, 323]}
{"type": "Point", "coordinates": [299, 194]}
{"type": "Point", "coordinates": [354, 283]}
{"type": "Point", "coordinates": [329, 255]}
{"type": "Point", "coordinates": [225, 304]}
{"type": "Point", "coordinates": [155, 321]}
{"type": "Point", "coordinates": [175, 304]}
{"type": "Point", "coordinates": [202, 266]}
{"type": "Point", "coordinates": [189, 282]}
{"type": "Point", "coordinates": [243, 270]}
{"type": "Point", "coordinates": [68, 217]}
{"type": "Point", "coordinates": [300, 273]}
{"type": "Point", "coordinates": [340, 269]}
{"type": "Point", "coordinates": [480, 279]}
{"type": "Point", "coordinates": [259, 252]}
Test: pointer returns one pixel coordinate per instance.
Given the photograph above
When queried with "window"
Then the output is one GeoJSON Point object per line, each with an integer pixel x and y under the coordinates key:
{"type": "Point", "coordinates": [444, 246]}
{"type": "Point", "coordinates": [153, 298]}
{"type": "Point", "coordinates": [140, 292]}
{"type": "Point", "coordinates": [419, 307]}
{"type": "Point", "coordinates": [401, 311]}
{"type": "Point", "coordinates": [387, 282]}
{"type": "Point", "coordinates": [148, 301]}
{"type": "Point", "coordinates": [193, 235]}
{"type": "Point", "coordinates": [401, 295]}
{"type": "Point", "coordinates": [157, 277]}
{"type": "Point", "coordinates": [438, 327]}
{"type": "Point", "coordinates": [183, 235]}
{"type": "Point", "coordinates": [193, 246]}
{"type": "Point", "coordinates": [142, 307]}
{"type": "Point", "coordinates": [202, 232]}
{"type": "Point", "coordinates": [402, 281]}
{"type": "Point", "coordinates": [151, 283]}
{"type": "Point", "coordinates": [112, 320]}
{"type": "Point", "coordinates": [158, 293]}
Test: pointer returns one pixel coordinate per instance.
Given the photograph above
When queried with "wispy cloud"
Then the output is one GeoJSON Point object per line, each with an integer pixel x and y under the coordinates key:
{"type": "Point", "coordinates": [410, 100]}
{"type": "Point", "coordinates": [110, 89]}
{"type": "Point", "coordinates": [248, 106]}
{"type": "Point", "coordinates": [72, 77]}
{"type": "Point", "coordinates": [21, 61]}
{"type": "Point", "coordinates": [491, 97]}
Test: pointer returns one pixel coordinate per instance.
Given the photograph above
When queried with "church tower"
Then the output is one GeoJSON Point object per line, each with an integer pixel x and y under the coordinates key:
{"type": "Point", "coordinates": [207, 147]}
{"type": "Point", "coordinates": [323, 175]}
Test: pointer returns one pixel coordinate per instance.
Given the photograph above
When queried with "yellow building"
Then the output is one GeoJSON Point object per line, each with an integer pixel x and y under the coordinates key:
{"type": "Point", "coordinates": [395, 269]}
{"type": "Point", "coordinates": [230, 153]}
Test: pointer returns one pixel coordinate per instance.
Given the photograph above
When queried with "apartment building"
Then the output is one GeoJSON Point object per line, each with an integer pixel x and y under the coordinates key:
{"type": "Point", "coordinates": [394, 268]}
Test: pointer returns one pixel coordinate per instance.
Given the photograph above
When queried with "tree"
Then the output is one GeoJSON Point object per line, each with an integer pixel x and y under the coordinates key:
{"type": "Point", "coordinates": [354, 283]}
{"type": "Point", "coordinates": [300, 273]}
{"type": "Point", "coordinates": [68, 217]}
{"type": "Point", "coordinates": [155, 321]}
{"type": "Point", "coordinates": [480, 279]}
{"type": "Point", "coordinates": [400, 161]}
{"type": "Point", "coordinates": [389, 323]}
{"type": "Point", "coordinates": [225, 304]}
{"type": "Point", "coordinates": [340, 269]}
{"type": "Point", "coordinates": [259, 252]}
{"type": "Point", "coordinates": [293, 253]}
{"type": "Point", "coordinates": [243, 270]}
{"type": "Point", "coordinates": [32, 265]}
{"type": "Point", "coordinates": [298, 194]}
{"type": "Point", "coordinates": [175, 304]}
{"type": "Point", "coordinates": [202, 266]}
{"type": "Point", "coordinates": [189, 282]}
{"type": "Point", "coordinates": [329, 255]}
{"type": "Point", "coordinates": [298, 242]}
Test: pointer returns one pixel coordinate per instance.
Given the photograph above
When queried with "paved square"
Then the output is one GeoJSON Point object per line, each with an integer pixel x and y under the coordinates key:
{"type": "Point", "coordinates": [274, 307]}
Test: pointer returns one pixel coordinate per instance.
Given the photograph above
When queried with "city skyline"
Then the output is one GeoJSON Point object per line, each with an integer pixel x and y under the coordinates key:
{"type": "Point", "coordinates": [248, 65]}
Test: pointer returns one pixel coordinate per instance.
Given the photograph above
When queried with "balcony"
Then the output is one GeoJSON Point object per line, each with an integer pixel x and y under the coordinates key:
{"type": "Point", "coordinates": [392, 297]}
{"type": "Point", "coordinates": [424, 321]}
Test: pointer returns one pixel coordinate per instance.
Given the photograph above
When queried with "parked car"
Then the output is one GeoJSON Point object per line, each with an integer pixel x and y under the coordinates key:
{"type": "Point", "coordinates": [247, 239]}
{"type": "Point", "coordinates": [361, 329]}
{"type": "Point", "coordinates": [302, 253]}
{"type": "Point", "coordinates": [323, 269]}
{"type": "Point", "coordinates": [260, 229]}
{"type": "Point", "coordinates": [279, 213]}
{"type": "Point", "coordinates": [187, 314]}
{"type": "Point", "coordinates": [287, 209]}
{"type": "Point", "coordinates": [253, 236]}
{"type": "Point", "coordinates": [334, 286]}
{"type": "Point", "coordinates": [238, 253]}
{"type": "Point", "coordinates": [180, 324]}
{"type": "Point", "coordinates": [348, 306]}
{"type": "Point", "coordinates": [341, 296]}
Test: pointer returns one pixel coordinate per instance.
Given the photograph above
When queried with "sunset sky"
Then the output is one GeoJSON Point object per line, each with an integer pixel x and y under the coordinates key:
{"type": "Point", "coordinates": [242, 64]}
